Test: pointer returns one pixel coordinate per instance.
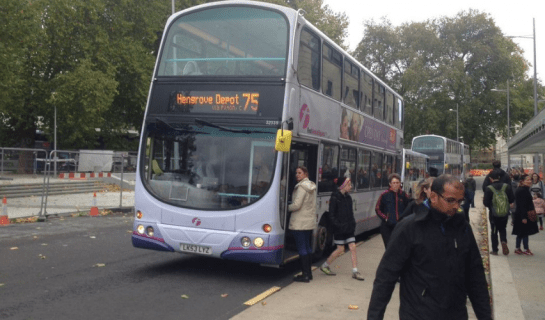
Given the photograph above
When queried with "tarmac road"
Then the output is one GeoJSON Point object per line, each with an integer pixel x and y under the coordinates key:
{"type": "Point", "coordinates": [86, 268]}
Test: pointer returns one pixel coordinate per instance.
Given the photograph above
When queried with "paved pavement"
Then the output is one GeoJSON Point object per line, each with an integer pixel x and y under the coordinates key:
{"type": "Point", "coordinates": [518, 285]}
{"type": "Point", "coordinates": [65, 204]}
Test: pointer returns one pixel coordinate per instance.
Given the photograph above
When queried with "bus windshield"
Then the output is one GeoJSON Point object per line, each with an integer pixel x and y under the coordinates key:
{"type": "Point", "coordinates": [428, 144]}
{"type": "Point", "coordinates": [208, 167]}
{"type": "Point", "coordinates": [211, 42]}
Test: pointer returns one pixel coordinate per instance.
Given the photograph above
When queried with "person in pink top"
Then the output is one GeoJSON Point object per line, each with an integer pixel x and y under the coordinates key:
{"type": "Point", "coordinates": [539, 204]}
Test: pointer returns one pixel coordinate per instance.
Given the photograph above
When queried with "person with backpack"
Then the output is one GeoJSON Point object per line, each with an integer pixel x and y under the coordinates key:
{"type": "Point", "coordinates": [504, 177]}
{"type": "Point", "coordinates": [498, 197]}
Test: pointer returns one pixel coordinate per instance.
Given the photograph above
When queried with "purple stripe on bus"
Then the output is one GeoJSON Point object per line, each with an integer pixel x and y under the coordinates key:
{"type": "Point", "coordinates": [139, 241]}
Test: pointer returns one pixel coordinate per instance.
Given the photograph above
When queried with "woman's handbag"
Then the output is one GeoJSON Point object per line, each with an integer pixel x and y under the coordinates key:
{"type": "Point", "coordinates": [532, 216]}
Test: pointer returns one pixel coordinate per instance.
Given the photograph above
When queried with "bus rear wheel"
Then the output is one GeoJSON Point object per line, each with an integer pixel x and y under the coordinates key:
{"type": "Point", "coordinates": [323, 241]}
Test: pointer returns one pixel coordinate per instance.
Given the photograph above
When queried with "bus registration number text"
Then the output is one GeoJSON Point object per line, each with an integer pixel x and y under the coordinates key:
{"type": "Point", "coordinates": [193, 248]}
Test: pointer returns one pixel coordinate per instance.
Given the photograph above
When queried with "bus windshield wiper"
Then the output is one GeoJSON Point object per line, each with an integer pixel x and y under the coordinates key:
{"type": "Point", "coordinates": [221, 128]}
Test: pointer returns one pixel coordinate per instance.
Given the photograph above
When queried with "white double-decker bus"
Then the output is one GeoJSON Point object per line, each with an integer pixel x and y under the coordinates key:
{"type": "Point", "coordinates": [229, 74]}
{"type": "Point", "coordinates": [446, 155]}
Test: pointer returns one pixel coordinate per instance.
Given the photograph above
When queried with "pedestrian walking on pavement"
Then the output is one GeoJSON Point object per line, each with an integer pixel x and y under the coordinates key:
{"type": "Point", "coordinates": [303, 220]}
{"type": "Point", "coordinates": [515, 182]}
{"type": "Point", "coordinates": [537, 187]}
{"type": "Point", "coordinates": [435, 255]}
{"type": "Point", "coordinates": [343, 225]}
{"type": "Point", "coordinates": [539, 204]}
{"type": "Point", "coordinates": [504, 177]}
{"type": "Point", "coordinates": [470, 186]}
{"type": "Point", "coordinates": [537, 184]}
{"type": "Point", "coordinates": [421, 197]}
{"type": "Point", "coordinates": [390, 205]}
{"type": "Point", "coordinates": [523, 226]}
{"type": "Point", "coordinates": [498, 197]}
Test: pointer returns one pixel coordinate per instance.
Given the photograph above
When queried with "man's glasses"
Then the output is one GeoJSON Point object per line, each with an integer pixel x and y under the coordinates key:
{"type": "Point", "coordinates": [451, 201]}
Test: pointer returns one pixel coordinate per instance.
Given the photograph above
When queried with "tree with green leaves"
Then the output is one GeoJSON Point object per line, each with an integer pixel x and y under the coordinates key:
{"type": "Point", "coordinates": [333, 24]}
{"type": "Point", "coordinates": [443, 63]}
{"type": "Point", "coordinates": [92, 60]}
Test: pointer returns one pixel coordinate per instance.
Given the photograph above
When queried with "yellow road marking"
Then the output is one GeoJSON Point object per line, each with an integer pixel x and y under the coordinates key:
{"type": "Point", "coordinates": [262, 296]}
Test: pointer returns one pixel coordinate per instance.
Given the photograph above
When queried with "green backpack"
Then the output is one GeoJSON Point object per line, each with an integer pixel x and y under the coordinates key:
{"type": "Point", "coordinates": [500, 202]}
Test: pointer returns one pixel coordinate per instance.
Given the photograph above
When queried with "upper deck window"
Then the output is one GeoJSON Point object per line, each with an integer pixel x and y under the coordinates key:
{"type": "Point", "coordinates": [332, 72]}
{"type": "Point", "coordinates": [351, 94]}
{"type": "Point", "coordinates": [309, 60]}
{"type": "Point", "coordinates": [427, 144]}
{"type": "Point", "coordinates": [228, 41]}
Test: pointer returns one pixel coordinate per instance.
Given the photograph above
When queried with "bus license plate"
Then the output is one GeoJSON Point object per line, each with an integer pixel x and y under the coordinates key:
{"type": "Point", "coordinates": [193, 248]}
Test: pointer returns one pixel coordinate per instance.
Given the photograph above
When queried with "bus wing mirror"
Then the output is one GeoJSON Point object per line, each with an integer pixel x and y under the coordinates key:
{"type": "Point", "coordinates": [283, 140]}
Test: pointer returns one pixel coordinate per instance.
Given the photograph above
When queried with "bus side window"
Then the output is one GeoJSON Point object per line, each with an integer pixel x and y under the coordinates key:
{"type": "Point", "coordinates": [362, 176]}
{"type": "Point", "coordinates": [329, 171]}
{"type": "Point", "coordinates": [376, 166]}
{"type": "Point", "coordinates": [332, 72]}
{"type": "Point", "coordinates": [367, 90]}
{"type": "Point", "coordinates": [378, 105]}
{"type": "Point", "coordinates": [308, 68]}
{"type": "Point", "coordinates": [351, 82]}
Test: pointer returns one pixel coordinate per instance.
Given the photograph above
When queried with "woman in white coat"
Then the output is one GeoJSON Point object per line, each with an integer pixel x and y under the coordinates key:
{"type": "Point", "coordinates": [303, 220]}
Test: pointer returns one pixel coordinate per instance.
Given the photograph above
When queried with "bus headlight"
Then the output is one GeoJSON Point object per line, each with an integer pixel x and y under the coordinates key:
{"type": "Point", "coordinates": [149, 231]}
{"type": "Point", "coordinates": [245, 241]}
{"type": "Point", "coordinates": [140, 229]}
{"type": "Point", "coordinates": [258, 242]}
{"type": "Point", "coordinates": [139, 214]}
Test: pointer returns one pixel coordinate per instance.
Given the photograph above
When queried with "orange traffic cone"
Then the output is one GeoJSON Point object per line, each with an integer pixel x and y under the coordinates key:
{"type": "Point", "coordinates": [4, 221]}
{"type": "Point", "coordinates": [94, 209]}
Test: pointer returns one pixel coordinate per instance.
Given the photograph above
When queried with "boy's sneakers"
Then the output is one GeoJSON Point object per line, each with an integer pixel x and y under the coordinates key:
{"type": "Point", "coordinates": [357, 276]}
{"type": "Point", "coordinates": [518, 251]}
{"type": "Point", "coordinates": [505, 248]}
{"type": "Point", "coordinates": [328, 271]}
{"type": "Point", "coordinates": [528, 252]}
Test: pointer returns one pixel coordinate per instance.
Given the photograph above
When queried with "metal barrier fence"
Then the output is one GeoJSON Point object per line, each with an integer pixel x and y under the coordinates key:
{"type": "Point", "coordinates": [41, 183]}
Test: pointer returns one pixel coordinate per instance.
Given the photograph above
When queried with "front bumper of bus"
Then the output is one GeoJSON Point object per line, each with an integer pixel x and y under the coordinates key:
{"type": "Point", "coordinates": [224, 245]}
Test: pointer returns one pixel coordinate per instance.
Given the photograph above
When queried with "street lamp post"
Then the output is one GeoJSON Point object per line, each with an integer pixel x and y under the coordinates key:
{"type": "Point", "coordinates": [457, 123]}
{"type": "Point", "coordinates": [53, 94]}
{"type": "Point", "coordinates": [535, 81]}
{"type": "Point", "coordinates": [508, 121]}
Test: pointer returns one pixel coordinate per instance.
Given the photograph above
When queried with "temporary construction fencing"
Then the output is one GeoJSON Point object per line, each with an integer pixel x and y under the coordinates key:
{"type": "Point", "coordinates": [63, 181]}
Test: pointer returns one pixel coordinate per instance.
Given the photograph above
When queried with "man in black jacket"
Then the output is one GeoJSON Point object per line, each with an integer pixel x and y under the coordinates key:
{"type": "Point", "coordinates": [504, 177]}
{"type": "Point", "coordinates": [436, 258]}
{"type": "Point", "coordinates": [498, 224]}
{"type": "Point", "coordinates": [390, 205]}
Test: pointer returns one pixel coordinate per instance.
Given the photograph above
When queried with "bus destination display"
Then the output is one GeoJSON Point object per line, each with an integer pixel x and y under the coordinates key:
{"type": "Point", "coordinates": [215, 102]}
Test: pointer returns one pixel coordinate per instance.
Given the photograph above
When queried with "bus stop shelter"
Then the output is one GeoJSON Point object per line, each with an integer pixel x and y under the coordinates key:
{"type": "Point", "coordinates": [530, 140]}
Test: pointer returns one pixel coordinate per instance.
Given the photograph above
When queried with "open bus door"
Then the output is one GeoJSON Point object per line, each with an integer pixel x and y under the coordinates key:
{"type": "Point", "coordinates": [300, 154]}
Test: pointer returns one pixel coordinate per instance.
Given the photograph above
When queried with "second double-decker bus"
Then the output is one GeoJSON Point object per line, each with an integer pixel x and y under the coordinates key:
{"type": "Point", "coordinates": [446, 155]}
{"type": "Point", "coordinates": [229, 74]}
{"type": "Point", "coordinates": [415, 167]}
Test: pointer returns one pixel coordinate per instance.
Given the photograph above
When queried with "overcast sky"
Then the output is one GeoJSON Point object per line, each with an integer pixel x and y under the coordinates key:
{"type": "Point", "coordinates": [514, 18]}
